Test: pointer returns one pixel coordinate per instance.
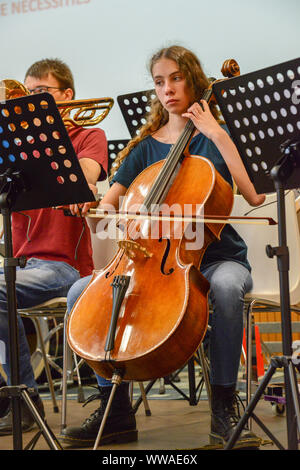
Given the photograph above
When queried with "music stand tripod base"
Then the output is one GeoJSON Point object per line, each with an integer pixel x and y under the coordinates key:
{"type": "Point", "coordinates": [22, 391]}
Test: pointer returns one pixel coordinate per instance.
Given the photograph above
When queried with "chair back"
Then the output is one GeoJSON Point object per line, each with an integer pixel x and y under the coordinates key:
{"type": "Point", "coordinates": [257, 237]}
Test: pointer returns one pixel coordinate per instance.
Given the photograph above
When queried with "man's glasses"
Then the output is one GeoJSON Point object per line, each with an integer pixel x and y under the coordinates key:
{"type": "Point", "coordinates": [43, 89]}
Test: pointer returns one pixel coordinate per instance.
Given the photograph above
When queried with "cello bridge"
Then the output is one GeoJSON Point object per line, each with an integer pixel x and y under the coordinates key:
{"type": "Point", "coordinates": [132, 248]}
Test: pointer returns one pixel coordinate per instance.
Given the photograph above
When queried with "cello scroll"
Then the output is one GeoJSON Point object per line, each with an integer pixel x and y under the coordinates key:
{"type": "Point", "coordinates": [230, 69]}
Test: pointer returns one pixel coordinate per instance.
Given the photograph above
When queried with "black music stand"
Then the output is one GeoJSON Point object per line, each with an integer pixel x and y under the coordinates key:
{"type": "Point", "coordinates": [260, 109]}
{"type": "Point", "coordinates": [38, 169]}
{"type": "Point", "coordinates": [114, 147]}
{"type": "Point", "coordinates": [134, 107]}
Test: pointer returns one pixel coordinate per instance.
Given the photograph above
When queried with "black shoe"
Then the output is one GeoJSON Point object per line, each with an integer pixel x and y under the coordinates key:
{"type": "Point", "coordinates": [224, 419]}
{"type": "Point", "coordinates": [234, 404]}
{"type": "Point", "coordinates": [27, 419]}
{"type": "Point", "coordinates": [120, 426]}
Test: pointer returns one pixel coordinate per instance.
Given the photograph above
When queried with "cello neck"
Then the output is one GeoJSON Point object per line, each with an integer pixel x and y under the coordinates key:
{"type": "Point", "coordinates": [162, 183]}
{"type": "Point", "coordinates": [174, 157]}
{"type": "Point", "coordinates": [168, 171]}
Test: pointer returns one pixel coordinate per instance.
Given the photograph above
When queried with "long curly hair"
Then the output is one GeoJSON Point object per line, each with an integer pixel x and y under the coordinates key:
{"type": "Point", "coordinates": [157, 117]}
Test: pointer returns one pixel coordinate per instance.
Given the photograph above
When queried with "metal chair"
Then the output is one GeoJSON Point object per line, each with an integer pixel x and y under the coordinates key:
{"type": "Point", "coordinates": [201, 359]}
{"type": "Point", "coordinates": [265, 294]}
{"type": "Point", "coordinates": [51, 309]}
{"type": "Point", "coordinates": [68, 357]}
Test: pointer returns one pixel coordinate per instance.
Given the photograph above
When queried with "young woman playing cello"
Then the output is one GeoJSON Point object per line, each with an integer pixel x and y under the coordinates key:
{"type": "Point", "coordinates": [179, 84]}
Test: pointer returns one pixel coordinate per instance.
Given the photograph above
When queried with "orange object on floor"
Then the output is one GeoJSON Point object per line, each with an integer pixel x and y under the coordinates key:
{"type": "Point", "coordinates": [257, 359]}
{"type": "Point", "coordinates": [259, 355]}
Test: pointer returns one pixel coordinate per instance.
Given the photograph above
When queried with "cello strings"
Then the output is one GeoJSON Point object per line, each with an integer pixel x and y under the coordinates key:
{"type": "Point", "coordinates": [172, 160]}
{"type": "Point", "coordinates": [162, 181]}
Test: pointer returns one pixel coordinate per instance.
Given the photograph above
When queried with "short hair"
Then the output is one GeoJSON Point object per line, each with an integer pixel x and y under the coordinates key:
{"type": "Point", "coordinates": [57, 68]}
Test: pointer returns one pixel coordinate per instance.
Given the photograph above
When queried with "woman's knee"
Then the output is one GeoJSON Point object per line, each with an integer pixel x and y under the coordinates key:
{"type": "Point", "coordinates": [76, 290]}
{"type": "Point", "coordinates": [230, 283]}
{"type": "Point", "coordinates": [227, 292]}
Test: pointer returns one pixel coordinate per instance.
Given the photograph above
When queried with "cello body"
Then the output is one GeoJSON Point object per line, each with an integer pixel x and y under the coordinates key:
{"type": "Point", "coordinates": [164, 313]}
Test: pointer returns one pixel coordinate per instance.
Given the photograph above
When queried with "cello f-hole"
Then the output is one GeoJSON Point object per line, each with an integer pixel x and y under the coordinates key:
{"type": "Point", "coordinates": [109, 274]}
{"type": "Point", "coordinates": [164, 259]}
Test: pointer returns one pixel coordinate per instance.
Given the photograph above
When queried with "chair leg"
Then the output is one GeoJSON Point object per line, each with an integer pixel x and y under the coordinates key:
{"type": "Point", "coordinates": [249, 324]}
{"type": "Point", "coordinates": [46, 364]}
{"type": "Point", "coordinates": [144, 398]}
{"type": "Point", "coordinates": [205, 373]}
{"type": "Point", "coordinates": [80, 395]}
{"type": "Point", "coordinates": [248, 333]}
{"type": "Point", "coordinates": [192, 382]}
{"type": "Point", "coordinates": [162, 387]}
{"type": "Point", "coordinates": [67, 371]}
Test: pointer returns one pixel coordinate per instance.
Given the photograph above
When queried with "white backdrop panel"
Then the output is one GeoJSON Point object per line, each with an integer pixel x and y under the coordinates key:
{"type": "Point", "coordinates": [108, 43]}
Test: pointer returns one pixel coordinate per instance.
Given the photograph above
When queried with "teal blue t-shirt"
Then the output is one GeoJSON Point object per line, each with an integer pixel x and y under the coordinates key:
{"type": "Point", "coordinates": [231, 246]}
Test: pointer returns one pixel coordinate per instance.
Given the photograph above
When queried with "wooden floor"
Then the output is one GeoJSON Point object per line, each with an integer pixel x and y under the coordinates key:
{"type": "Point", "coordinates": [173, 425]}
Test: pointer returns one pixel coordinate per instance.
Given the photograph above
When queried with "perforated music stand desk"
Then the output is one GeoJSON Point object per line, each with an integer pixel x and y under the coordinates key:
{"type": "Point", "coordinates": [261, 110]}
{"type": "Point", "coordinates": [134, 107]}
{"type": "Point", "coordinates": [34, 140]}
{"type": "Point", "coordinates": [38, 169]}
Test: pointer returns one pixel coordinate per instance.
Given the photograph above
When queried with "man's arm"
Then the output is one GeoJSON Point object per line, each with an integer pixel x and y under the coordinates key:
{"type": "Point", "coordinates": [91, 170]}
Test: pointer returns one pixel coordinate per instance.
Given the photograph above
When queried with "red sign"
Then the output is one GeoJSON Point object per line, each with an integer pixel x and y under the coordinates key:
{"type": "Point", "coordinates": [32, 6]}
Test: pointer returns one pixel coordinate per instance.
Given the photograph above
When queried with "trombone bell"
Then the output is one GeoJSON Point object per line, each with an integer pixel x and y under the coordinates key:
{"type": "Point", "coordinates": [10, 89]}
{"type": "Point", "coordinates": [84, 113]}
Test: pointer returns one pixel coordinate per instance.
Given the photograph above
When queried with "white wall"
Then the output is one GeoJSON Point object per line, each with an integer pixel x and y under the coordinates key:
{"type": "Point", "coordinates": [108, 43]}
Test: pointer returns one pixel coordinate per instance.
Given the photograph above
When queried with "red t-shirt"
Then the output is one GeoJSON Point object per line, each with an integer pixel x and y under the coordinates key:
{"type": "Point", "coordinates": [49, 234]}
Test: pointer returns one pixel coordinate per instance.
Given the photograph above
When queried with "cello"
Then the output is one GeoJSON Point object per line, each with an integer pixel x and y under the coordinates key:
{"type": "Point", "coordinates": [145, 314]}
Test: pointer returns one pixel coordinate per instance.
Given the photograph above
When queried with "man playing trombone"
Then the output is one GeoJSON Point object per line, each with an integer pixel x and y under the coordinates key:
{"type": "Point", "coordinates": [58, 248]}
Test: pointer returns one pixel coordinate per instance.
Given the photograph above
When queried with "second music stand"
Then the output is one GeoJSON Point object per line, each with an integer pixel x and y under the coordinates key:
{"type": "Point", "coordinates": [134, 108]}
{"type": "Point", "coordinates": [261, 112]}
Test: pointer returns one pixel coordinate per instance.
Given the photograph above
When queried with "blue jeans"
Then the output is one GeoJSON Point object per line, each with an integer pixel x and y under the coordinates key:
{"type": "Point", "coordinates": [229, 282]}
{"type": "Point", "coordinates": [38, 282]}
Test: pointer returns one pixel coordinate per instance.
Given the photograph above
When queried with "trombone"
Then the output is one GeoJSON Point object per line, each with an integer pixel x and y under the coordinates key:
{"type": "Point", "coordinates": [90, 112]}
